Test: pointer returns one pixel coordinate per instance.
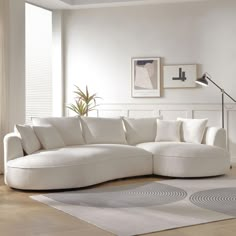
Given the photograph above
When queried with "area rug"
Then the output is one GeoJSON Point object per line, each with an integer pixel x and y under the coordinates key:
{"type": "Point", "coordinates": [149, 207]}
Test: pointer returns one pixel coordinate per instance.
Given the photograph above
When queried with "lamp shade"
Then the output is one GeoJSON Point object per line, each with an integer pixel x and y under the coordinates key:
{"type": "Point", "coordinates": [202, 81]}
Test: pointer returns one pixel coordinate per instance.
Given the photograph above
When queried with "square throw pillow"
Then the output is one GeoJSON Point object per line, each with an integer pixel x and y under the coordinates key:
{"type": "Point", "coordinates": [49, 137]}
{"type": "Point", "coordinates": [168, 131]}
{"type": "Point", "coordinates": [140, 130]}
{"type": "Point", "coordinates": [103, 130]}
{"type": "Point", "coordinates": [192, 130]}
{"type": "Point", "coordinates": [30, 142]}
{"type": "Point", "coordinates": [69, 128]}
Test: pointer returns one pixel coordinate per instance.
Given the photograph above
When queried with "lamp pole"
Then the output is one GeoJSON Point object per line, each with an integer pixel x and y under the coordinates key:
{"type": "Point", "coordinates": [222, 108]}
{"type": "Point", "coordinates": [204, 82]}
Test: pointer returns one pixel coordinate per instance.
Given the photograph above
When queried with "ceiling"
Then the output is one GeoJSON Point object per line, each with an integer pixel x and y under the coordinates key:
{"type": "Point", "coordinates": [77, 4]}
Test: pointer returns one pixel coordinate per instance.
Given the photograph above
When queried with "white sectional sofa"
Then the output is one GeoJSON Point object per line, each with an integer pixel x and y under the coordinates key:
{"type": "Point", "coordinates": [73, 152]}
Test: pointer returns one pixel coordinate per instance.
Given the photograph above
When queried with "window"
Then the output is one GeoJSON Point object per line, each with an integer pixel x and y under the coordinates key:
{"type": "Point", "coordinates": [38, 62]}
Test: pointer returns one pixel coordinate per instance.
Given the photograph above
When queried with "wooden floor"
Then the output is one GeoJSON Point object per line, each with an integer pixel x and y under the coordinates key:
{"type": "Point", "coordinates": [21, 216]}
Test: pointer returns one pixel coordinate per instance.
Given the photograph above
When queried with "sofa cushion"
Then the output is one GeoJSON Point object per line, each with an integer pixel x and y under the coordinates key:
{"type": "Point", "coordinates": [30, 142]}
{"type": "Point", "coordinates": [69, 128]}
{"type": "Point", "coordinates": [179, 159]}
{"type": "Point", "coordinates": [49, 137]}
{"type": "Point", "coordinates": [78, 166]}
{"type": "Point", "coordinates": [168, 131]}
{"type": "Point", "coordinates": [180, 149]}
{"type": "Point", "coordinates": [103, 130]}
{"type": "Point", "coordinates": [140, 130]}
{"type": "Point", "coordinates": [192, 130]}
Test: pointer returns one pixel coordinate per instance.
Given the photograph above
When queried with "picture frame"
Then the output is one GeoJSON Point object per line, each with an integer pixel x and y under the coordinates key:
{"type": "Point", "coordinates": [179, 76]}
{"type": "Point", "coordinates": [146, 76]}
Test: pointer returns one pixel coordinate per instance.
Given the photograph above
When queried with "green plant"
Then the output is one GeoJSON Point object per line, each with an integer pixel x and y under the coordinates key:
{"type": "Point", "coordinates": [84, 102]}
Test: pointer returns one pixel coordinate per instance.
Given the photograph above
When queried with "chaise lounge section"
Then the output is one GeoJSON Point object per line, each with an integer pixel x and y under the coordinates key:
{"type": "Point", "coordinates": [77, 166]}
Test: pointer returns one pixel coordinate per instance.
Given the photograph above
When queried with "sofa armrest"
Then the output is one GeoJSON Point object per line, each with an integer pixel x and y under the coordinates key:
{"type": "Point", "coordinates": [12, 147]}
{"type": "Point", "coordinates": [215, 136]}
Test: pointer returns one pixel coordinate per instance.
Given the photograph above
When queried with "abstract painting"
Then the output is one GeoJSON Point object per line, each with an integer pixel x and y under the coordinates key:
{"type": "Point", "coordinates": [180, 76]}
{"type": "Point", "coordinates": [145, 77]}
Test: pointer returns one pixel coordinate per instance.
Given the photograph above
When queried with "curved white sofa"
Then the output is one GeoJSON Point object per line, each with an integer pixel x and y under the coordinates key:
{"type": "Point", "coordinates": [74, 166]}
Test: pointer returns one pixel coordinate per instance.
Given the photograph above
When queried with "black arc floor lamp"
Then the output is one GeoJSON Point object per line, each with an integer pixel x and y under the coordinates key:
{"type": "Point", "coordinates": [204, 82]}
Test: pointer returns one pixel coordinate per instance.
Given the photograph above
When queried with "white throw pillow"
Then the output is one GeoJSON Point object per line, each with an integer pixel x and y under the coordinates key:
{"type": "Point", "coordinates": [103, 130]}
{"type": "Point", "coordinates": [140, 130]}
{"type": "Point", "coordinates": [192, 130]}
{"type": "Point", "coordinates": [168, 131]}
{"type": "Point", "coordinates": [49, 137]}
{"type": "Point", "coordinates": [69, 128]}
{"type": "Point", "coordinates": [30, 142]}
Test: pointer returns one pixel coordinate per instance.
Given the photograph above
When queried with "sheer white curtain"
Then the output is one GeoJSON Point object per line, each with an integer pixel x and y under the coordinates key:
{"type": "Point", "coordinates": [3, 75]}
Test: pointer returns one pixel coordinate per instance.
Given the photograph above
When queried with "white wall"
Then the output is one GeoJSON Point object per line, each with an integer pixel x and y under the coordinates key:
{"type": "Point", "coordinates": [99, 44]}
{"type": "Point", "coordinates": [16, 62]}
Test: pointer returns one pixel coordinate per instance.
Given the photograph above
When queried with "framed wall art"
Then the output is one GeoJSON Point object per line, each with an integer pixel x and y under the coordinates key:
{"type": "Point", "coordinates": [179, 76]}
{"type": "Point", "coordinates": [146, 77]}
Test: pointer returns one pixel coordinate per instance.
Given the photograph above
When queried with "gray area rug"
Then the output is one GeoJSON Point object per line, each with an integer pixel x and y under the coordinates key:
{"type": "Point", "coordinates": [149, 207]}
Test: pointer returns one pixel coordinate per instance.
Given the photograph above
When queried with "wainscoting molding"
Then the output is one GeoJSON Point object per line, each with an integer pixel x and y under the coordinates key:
{"type": "Point", "coordinates": [172, 111]}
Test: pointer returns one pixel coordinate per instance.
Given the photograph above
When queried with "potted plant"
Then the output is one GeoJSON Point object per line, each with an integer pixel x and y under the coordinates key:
{"type": "Point", "coordinates": [84, 102]}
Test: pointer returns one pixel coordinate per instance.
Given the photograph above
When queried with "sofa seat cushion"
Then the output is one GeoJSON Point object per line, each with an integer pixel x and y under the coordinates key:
{"type": "Point", "coordinates": [77, 166]}
{"type": "Point", "coordinates": [177, 159]}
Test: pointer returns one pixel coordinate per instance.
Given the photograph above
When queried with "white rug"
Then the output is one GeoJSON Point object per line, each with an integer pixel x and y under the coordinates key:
{"type": "Point", "coordinates": [150, 207]}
